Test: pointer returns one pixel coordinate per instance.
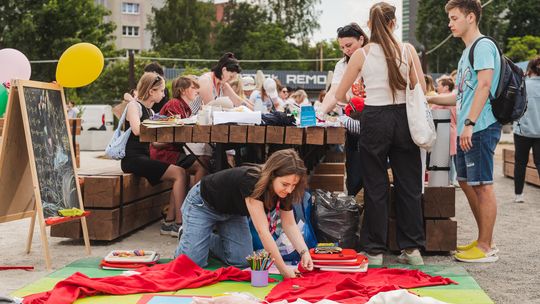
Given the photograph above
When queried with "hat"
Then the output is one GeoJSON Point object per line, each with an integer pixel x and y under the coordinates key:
{"type": "Point", "coordinates": [248, 83]}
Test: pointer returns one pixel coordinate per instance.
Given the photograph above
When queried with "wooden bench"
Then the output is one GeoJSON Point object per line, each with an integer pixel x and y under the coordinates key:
{"type": "Point", "coordinates": [119, 204]}
{"type": "Point", "coordinates": [439, 207]}
{"type": "Point", "coordinates": [531, 173]}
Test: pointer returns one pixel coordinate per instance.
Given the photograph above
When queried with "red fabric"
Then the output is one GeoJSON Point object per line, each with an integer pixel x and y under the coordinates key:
{"type": "Point", "coordinates": [358, 103]}
{"type": "Point", "coordinates": [178, 274]}
{"type": "Point", "coordinates": [351, 287]}
{"type": "Point", "coordinates": [171, 152]}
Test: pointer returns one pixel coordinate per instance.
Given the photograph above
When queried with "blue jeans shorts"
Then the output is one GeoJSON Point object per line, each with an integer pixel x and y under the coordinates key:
{"type": "Point", "coordinates": [476, 165]}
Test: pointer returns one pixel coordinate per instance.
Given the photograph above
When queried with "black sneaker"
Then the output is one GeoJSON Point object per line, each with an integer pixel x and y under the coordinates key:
{"type": "Point", "coordinates": [170, 228]}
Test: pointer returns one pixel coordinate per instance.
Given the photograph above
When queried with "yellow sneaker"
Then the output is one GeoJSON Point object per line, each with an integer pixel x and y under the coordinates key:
{"type": "Point", "coordinates": [467, 247]}
{"type": "Point", "coordinates": [476, 255]}
{"type": "Point", "coordinates": [460, 248]}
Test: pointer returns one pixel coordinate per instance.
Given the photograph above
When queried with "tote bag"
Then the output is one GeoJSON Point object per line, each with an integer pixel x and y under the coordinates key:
{"type": "Point", "coordinates": [419, 115]}
{"type": "Point", "coordinates": [116, 149]}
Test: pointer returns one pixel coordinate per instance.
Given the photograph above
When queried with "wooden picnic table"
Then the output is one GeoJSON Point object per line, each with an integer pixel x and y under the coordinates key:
{"type": "Point", "coordinates": [243, 134]}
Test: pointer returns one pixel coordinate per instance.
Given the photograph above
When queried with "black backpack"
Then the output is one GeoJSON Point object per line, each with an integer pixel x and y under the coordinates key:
{"type": "Point", "coordinates": [510, 100]}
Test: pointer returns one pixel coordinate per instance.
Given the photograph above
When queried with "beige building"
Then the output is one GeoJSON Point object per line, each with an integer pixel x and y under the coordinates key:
{"type": "Point", "coordinates": [131, 17]}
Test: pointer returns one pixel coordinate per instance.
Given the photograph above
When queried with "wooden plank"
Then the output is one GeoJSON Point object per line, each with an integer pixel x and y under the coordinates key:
{"type": "Point", "coordinates": [183, 134]}
{"type": "Point", "coordinates": [294, 136]}
{"type": "Point", "coordinates": [201, 134]}
{"type": "Point", "coordinates": [274, 134]}
{"type": "Point", "coordinates": [106, 224]}
{"type": "Point", "coordinates": [135, 188]}
{"type": "Point", "coordinates": [102, 191]}
{"type": "Point", "coordinates": [256, 134]}
{"type": "Point", "coordinates": [77, 122]}
{"type": "Point", "coordinates": [147, 134]}
{"type": "Point", "coordinates": [439, 202]}
{"type": "Point", "coordinates": [335, 135]}
{"type": "Point", "coordinates": [531, 175]}
{"type": "Point", "coordinates": [238, 134]}
{"type": "Point", "coordinates": [165, 135]}
{"type": "Point", "coordinates": [330, 168]}
{"type": "Point", "coordinates": [315, 136]}
{"type": "Point", "coordinates": [220, 134]}
{"type": "Point", "coordinates": [509, 157]}
{"type": "Point", "coordinates": [329, 182]}
{"type": "Point", "coordinates": [441, 235]}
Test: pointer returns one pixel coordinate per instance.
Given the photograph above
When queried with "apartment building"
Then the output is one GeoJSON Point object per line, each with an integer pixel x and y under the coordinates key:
{"type": "Point", "coordinates": [131, 18]}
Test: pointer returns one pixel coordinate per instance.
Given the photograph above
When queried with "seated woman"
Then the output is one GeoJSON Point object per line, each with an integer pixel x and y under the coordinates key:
{"type": "Point", "coordinates": [137, 160]}
{"type": "Point", "coordinates": [225, 199]}
{"type": "Point", "coordinates": [184, 91]}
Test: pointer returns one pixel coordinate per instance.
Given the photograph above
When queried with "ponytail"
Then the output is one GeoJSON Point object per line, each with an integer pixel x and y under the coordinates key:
{"type": "Point", "coordinates": [381, 16]}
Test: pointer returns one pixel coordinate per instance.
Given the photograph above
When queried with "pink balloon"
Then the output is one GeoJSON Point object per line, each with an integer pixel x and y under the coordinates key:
{"type": "Point", "coordinates": [14, 65]}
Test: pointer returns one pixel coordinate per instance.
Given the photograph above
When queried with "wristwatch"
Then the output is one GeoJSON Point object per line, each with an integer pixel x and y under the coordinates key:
{"type": "Point", "coordinates": [469, 122]}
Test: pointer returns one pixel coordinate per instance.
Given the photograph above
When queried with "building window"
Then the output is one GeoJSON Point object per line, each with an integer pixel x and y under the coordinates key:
{"type": "Point", "coordinates": [130, 31]}
{"type": "Point", "coordinates": [130, 8]}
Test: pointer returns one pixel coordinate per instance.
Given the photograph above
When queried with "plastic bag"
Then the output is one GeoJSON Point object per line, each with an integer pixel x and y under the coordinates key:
{"type": "Point", "coordinates": [336, 219]}
{"type": "Point", "coordinates": [302, 215]}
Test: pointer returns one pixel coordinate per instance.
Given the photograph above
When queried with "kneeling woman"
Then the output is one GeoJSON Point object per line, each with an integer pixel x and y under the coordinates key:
{"type": "Point", "coordinates": [225, 199]}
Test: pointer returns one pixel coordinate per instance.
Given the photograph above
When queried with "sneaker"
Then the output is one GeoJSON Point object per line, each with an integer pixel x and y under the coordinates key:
{"type": "Point", "coordinates": [476, 255]}
{"type": "Point", "coordinates": [373, 259]}
{"type": "Point", "coordinates": [519, 198]}
{"type": "Point", "coordinates": [412, 258]}
{"type": "Point", "coordinates": [170, 228]}
{"type": "Point", "coordinates": [472, 244]}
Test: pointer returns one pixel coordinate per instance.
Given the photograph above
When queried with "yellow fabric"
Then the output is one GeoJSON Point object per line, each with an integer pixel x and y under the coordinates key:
{"type": "Point", "coordinates": [473, 253]}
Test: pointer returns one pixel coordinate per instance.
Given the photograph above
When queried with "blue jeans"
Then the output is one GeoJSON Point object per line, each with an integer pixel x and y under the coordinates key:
{"type": "Point", "coordinates": [231, 243]}
{"type": "Point", "coordinates": [476, 165]}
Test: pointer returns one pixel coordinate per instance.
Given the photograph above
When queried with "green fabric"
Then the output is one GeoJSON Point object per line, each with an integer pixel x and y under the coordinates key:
{"type": "Point", "coordinates": [467, 290]}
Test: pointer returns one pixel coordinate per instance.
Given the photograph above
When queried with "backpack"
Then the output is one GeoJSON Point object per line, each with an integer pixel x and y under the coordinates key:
{"type": "Point", "coordinates": [510, 100]}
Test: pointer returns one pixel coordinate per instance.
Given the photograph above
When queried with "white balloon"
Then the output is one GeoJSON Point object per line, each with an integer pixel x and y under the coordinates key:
{"type": "Point", "coordinates": [13, 65]}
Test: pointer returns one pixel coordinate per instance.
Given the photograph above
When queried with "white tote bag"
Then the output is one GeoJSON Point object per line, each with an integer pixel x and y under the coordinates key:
{"type": "Point", "coordinates": [419, 115]}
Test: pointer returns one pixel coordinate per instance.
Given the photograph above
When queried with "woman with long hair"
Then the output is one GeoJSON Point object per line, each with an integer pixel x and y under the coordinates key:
{"type": "Point", "coordinates": [216, 83]}
{"type": "Point", "coordinates": [184, 91]}
{"type": "Point", "coordinates": [351, 37]}
{"type": "Point", "coordinates": [385, 135]}
{"type": "Point", "coordinates": [150, 90]}
{"type": "Point", "coordinates": [223, 201]}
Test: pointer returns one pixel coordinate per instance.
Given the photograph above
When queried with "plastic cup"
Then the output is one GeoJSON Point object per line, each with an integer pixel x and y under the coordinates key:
{"type": "Point", "coordinates": [259, 278]}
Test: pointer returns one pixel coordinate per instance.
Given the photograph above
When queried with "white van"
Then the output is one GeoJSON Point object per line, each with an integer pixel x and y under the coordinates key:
{"type": "Point", "coordinates": [96, 127]}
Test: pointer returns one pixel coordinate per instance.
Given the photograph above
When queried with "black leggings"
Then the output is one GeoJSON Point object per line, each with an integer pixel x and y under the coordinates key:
{"type": "Point", "coordinates": [523, 145]}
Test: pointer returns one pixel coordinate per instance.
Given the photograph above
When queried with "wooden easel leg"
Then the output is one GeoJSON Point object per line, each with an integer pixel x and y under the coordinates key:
{"type": "Point", "coordinates": [44, 240]}
{"type": "Point", "coordinates": [31, 232]}
{"type": "Point", "coordinates": [85, 235]}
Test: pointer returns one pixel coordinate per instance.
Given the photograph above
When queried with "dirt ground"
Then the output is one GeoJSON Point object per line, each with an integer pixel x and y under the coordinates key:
{"type": "Point", "coordinates": [513, 279]}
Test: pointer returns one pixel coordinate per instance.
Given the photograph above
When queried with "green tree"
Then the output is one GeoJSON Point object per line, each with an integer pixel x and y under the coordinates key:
{"type": "Point", "coordinates": [268, 41]}
{"type": "Point", "coordinates": [523, 18]}
{"type": "Point", "coordinates": [432, 28]}
{"type": "Point", "coordinates": [239, 19]}
{"type": "Point", "coordinates": [297, 18]}
{"type": "Point", "coordinates": [523, 48]}
{"type": "Point", "coordinates": [183, 28]}
{"type": "Point", "coordinates": [45, 29]}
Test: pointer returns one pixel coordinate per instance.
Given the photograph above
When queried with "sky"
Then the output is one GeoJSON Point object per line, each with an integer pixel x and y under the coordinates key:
{"type": "Point", "coordinates": [336, 13]}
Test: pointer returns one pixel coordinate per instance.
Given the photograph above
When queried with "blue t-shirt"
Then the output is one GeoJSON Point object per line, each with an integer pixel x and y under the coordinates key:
{"type": "Point", "coordinates": [486, 56]}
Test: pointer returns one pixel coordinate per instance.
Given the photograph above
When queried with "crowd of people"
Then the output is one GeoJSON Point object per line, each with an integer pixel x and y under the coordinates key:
{"type": "Point", "coordinates": [368, 92]}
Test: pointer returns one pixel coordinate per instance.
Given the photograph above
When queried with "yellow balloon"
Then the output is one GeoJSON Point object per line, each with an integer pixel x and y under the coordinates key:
{"type": "Point", "coordinates": [79, 65]}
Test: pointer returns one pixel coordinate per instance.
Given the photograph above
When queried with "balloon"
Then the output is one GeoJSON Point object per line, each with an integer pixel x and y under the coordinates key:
{"type": "Point", "coordinates": [3, 99]}
{"type": "Point", "coordinates": [14, 65]}
{"type": "Point", "coordinates": [79, 65]}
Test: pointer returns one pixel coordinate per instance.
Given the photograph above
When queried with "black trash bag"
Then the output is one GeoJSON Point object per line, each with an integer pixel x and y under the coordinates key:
{"type": "Point", "coordinates": [278, 119]}
{"type": "Point", "coordinates": [337, 219]}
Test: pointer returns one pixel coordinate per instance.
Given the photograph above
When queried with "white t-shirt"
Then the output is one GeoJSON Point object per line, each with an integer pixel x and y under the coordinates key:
{"type": "Point", "coordinates": [339, 71]}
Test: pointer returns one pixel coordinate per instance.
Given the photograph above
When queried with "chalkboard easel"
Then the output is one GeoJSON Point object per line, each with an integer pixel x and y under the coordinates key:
{"type": "Point", "coordinates": [37, 168]}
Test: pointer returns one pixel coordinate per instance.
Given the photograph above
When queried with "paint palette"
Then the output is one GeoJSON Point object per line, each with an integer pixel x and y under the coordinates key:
{"type": "Point", "coordinates": [131, 256]}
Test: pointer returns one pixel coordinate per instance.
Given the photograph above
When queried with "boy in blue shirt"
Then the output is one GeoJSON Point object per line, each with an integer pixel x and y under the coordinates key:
{"type": "Point", "coordinates": [478, 130]}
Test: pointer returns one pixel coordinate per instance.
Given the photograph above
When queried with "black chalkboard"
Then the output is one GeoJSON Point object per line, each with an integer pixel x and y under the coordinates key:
{"type": "Point", "coordinates": [51, 149]}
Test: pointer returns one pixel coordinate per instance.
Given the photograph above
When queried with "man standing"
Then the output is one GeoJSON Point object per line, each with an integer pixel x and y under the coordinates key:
{"type": "Point", "coordinates": [478, 130]}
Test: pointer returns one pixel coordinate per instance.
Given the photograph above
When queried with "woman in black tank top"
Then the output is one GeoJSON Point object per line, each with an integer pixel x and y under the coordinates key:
{"type": "Point", "coordinates": [150, 90]}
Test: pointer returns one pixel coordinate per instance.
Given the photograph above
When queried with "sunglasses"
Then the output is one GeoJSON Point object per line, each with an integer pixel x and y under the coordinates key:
{"type": "Point", "coordinates": [158, 79]}
{"type": "Point", "coordinates": [346, 28]}
{"type": "Point", "coordinates": [284, 91]}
